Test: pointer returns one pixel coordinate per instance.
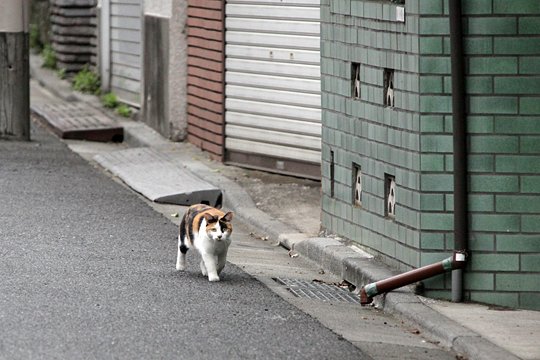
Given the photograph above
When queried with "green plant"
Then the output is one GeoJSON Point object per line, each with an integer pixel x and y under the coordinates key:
{"type": "Point", "coordinates": [87, 81]}
{"type": "Point", "coordinates": [123, 110]}
{"type": "Point", "coordinates": [35, 41]}
{"type": "Point", "coordinates": [109, 100]}
{"type": "Point", "coordinates": [49, 57]}
{"type": "Point", "coordinates": [61, 73]}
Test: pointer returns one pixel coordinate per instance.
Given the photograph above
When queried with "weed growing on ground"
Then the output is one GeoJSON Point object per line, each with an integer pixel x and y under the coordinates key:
{"type": "Point", "coordinates": [123, 110]}
{"type": "Point", "coordinates": [110, 100]}
{"type": "Point", "coordinates": [35, 42]}
{"type": "Point", "coordinates": [87, 81]}
{"type": "Point", "coordinates": [49, 57]}
{"type": "Point", "coordinates": [61, 73]}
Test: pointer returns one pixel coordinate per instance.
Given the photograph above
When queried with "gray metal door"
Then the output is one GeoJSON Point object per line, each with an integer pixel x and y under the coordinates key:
{"type": "Point", "coordinates": [120, 46]}
{"type": "Point", "coordinates": [273, 78]}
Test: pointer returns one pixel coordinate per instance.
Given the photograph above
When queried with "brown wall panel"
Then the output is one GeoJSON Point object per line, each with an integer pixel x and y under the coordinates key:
{"type": "Point", "coordinates": [207, 4]}
{"type": "Point", "coordinates": [205, 23]}
{"type": "Point", "coordinates": [202, 34]}
{"type": "Point", "coordinates": [208, 44]}
{"type": "Point", "coordinates": [203, 113]}
{"type": "Point", "coordinates": [207, 105]}
{"type": "Point", "coordinates": [206, 75]}
{"type": "Point", "coordinates": [197, 52]}
{"type": "Point", "coordinates": [206, 64]}
{"type": "Point", "coordinates": [194, 71]}
{"type": "Point", "coordinates": [206, 92]}
{"type": "Point", "coordinates": [203, 123]}
{"type": "Point", "coordinates": [204, 13]}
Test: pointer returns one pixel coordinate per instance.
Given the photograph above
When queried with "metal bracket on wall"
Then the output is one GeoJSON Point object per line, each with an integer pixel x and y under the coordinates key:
{"type": "Point", "coordinates": [388, 83]}
{"type": "Point", "coordinates": [355, 72]}
{"type": "Point", "coordinates": [390, 195]}
{"type": "Point", "coordinates": [357, 183]}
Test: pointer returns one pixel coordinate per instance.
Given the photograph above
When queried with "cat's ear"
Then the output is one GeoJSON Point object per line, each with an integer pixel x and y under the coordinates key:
{"type": "Point", "coordinates": [210, 218]}
{"type": "Point", "coordinates": [228, 216]}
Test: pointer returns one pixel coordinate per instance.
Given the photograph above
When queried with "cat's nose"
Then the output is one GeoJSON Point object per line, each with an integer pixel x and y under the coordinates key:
{"type": "Point", "coordinates": [219, 237]}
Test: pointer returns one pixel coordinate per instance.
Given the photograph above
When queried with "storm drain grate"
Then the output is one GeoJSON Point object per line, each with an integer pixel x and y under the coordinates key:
{"type": "Point", "coordinates": [318, 290]}
{"type": "Point", "coordinates": [78, 121]}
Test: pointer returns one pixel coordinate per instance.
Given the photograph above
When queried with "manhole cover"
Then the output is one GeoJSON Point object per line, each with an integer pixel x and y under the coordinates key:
{"type": "Point", "coordinates": [78, 121]}
{"type": "Point", "coordinates": [318, 290]}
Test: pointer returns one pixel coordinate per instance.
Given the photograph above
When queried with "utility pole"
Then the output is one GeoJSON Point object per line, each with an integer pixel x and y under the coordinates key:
{"type": "Point", "coordinates": [14, 70]}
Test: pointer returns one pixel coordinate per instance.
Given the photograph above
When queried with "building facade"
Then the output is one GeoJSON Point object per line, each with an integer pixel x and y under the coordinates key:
{"type": "Point", "coordinates": [388, 144]}
{"type": "Point", "coordinates": [254, 83]}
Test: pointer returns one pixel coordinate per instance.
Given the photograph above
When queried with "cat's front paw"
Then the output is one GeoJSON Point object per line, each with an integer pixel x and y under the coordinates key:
{"type": "Point", "coordinates": [213, 278]}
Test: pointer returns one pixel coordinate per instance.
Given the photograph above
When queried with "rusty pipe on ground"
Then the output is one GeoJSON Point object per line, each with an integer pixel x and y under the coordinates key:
{"type": "Point", "coordinates": [456, 261]}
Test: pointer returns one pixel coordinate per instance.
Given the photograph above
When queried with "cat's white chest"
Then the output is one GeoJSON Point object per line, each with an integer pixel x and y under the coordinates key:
{"type": "Point", "coordinates": [209, 246]}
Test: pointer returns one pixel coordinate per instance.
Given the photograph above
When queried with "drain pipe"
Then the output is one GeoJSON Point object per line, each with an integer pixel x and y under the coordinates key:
{"type": "Point", "coordinates": [457, 261]}
{"type": "Point", "coordinates": [461, 225]}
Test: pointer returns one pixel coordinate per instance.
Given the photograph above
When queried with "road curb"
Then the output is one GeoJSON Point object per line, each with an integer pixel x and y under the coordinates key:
{"type": "Point", "coordinates": [403, 303]}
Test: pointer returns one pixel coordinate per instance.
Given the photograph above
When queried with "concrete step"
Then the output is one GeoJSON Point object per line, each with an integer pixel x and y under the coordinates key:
{"type": "Point", "coordinates": [158, 177]}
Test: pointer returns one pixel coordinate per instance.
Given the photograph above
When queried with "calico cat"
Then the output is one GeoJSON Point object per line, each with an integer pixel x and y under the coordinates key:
{"type": "Point", "coordinates": [208, 230]}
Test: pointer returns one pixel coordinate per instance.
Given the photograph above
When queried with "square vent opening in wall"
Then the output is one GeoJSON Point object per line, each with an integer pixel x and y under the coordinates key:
{"type": "Point", "coordinates": [355, 80]}
{"type": "Point", "coordinates": [388, 84]}
{"type": "Point", "coordinates": [357, 185]}
{"type": "Point", "coordinates": [332, 174]}
{"type": "Point", "coordinates": [390, 196]}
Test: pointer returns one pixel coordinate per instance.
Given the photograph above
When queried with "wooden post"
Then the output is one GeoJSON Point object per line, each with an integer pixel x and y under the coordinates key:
{"type": "Point", "coordinates": [14, 70]}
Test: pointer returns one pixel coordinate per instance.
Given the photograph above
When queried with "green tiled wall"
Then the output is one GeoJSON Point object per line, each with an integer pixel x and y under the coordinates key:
{"type": "Point", "coordinates": [503, 125]}
{"type": "Point", "coordinates": [382, 140]}
{"type": "Point", "coordinates": [413, 141]}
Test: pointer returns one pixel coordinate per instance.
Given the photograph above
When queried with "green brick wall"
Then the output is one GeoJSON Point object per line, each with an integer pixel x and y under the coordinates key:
{"type": "Point", "coordinates": [381, 140]}
{"type": "Point", "coordinates": [413, 140]}
{"type": "Point", "coordinates": [437, 222]}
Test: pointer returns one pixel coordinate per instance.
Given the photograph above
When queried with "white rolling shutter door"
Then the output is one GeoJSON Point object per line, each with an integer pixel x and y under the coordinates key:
{"type": "Point", "coordinates": [273, 91]}
{"type": "Point", "coordinates": [125, 45]}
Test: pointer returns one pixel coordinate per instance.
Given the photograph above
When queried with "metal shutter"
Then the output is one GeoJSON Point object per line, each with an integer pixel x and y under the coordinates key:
{"type": "Point", "coordinates": [125, 43]}
{"type": "Point", "coordinates": [273, 90]}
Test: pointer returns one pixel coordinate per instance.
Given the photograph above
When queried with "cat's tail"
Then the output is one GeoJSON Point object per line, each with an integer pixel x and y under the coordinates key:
{"type": "Point", "coordinates": [182, 246]}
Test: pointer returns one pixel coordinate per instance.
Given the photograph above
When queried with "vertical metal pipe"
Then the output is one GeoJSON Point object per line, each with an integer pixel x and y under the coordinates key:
{"type": "Point", "coordinates": [461, 225]}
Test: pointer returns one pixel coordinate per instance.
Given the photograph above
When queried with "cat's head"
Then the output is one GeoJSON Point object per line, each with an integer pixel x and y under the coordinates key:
{"type": "Point", "coordinates": [219, 228]}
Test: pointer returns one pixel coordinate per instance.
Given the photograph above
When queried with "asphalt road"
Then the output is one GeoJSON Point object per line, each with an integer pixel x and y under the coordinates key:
{"type": "Point", "coordinates": [87, 271]}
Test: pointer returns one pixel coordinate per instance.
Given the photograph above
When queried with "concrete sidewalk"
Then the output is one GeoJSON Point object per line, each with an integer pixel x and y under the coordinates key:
{"type": "Point", "coordinates": [288, 209]}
